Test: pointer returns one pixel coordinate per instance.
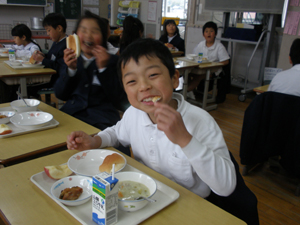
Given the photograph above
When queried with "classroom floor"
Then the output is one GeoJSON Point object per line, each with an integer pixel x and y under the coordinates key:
{"type": "Point", "coordinates": [277, 203]}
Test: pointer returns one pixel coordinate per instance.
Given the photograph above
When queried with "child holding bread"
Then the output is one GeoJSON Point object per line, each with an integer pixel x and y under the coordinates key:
{"type": "Point", "coordinates": [89, 84]}
{"type": "Point", "coordinates": [169, 135]}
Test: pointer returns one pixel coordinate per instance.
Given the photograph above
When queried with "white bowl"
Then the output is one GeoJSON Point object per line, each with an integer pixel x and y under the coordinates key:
{"type": "Point", "coordinates": [20, 106]}
{"type": "Point", "coordinates": [28, 64]}
{"type": "Point", "coordinates": [191, 56]}
{"type": "Point", "coordinates": [86, 163]}
{"type": "Point", "coordinates": [31, 120]}
{"type": "Point", "coordinates": [15, 63]}
{"type": "Point", "coordinates": [134, 205]}
{"type": "Point", "coordinates": [85, 183]}
{"type": "Point", "coordinates": [9, 114]}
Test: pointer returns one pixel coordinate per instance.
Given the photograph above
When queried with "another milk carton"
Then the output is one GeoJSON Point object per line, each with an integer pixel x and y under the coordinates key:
{"type": "Point", "coordinates": [105, 199]}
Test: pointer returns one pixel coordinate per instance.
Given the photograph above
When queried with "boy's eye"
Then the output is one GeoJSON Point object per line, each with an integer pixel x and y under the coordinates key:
{"type": "Point", "coordinates": [153, 75]}
{"type": "Point", "coordinates": [130, 82]}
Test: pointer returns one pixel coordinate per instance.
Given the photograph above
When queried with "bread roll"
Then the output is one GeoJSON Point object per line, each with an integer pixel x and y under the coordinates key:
{"type": "Point", "coordinates": [31, 60]}
{"type": "Point", "coordinates": [156, 98]}
{"type": "Point", "coordinates": [73, 42]}
{"type": "Point", "coordinates": [109, 160]}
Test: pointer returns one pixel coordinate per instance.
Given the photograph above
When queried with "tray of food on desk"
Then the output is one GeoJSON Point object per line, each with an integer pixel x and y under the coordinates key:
{"type": "Point", "coordinates": [83, 210]}
{"type": "Point", "coordinates": [13, 123]}
{"type": "Point", "coordinates": [20, 65]}
{"type": "Point", "coordinates": [4, 52]}
{"type": "Point", "coordinates": [193, 58]}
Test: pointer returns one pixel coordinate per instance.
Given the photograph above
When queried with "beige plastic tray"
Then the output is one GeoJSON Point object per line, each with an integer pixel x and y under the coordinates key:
{"type": "Point", "coordinates": [83, 213]}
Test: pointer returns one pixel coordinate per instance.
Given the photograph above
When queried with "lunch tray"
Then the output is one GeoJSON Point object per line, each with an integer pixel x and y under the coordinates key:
{"type": "Point", "coordinates": [190, 60]}
{"type": "Point", "coordinates": [24, 67]}
{"type": "Point", "coordinates": [83, 213]}
{"type": "Point", "coordinates": [18, 131]}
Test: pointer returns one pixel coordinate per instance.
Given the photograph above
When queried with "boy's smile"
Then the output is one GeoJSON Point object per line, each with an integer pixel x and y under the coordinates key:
{"type": "Point", "coordinates": [147, 79]}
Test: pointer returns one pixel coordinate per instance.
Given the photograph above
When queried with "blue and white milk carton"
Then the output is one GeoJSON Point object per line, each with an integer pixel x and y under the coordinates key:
{"type": "Point", "coordinates": [105, 199]}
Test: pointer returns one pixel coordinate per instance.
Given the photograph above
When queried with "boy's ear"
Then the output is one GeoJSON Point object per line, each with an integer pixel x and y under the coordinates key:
{"type": "Point", "coordinates": [290, 60]}
{"type": "Point", "coordinates": [59, 28]}
{"type": "Point", "coordinates": [23, 38]}
{"type": "Point", "coordinates": [175, 79]}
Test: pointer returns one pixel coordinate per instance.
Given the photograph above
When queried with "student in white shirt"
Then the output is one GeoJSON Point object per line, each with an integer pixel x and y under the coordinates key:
{"type": "Point", "coordinates": [288, 81]}
{"type": "Point", "coordinates": [213, 51]}
{"type": "Point", "coordinates": [24, 46]}
{"type": "Point", "coordinates": [171, 136]}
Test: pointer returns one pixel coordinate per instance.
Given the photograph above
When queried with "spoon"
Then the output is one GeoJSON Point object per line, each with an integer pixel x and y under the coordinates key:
{"type": "Point", "coordinates": [23, 99]}
{"type": "Point", "coordinates": [148, 199]}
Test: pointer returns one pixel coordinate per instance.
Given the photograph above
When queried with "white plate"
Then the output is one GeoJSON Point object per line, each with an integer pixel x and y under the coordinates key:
{"type": "Point", "coordinates": [4, 54]}
{"type": "Point", "coordinates": [86, 163]}
{"type": "Point", "coordinates": [86, 183]}
{"type": "Point", "coordinates": [31, 120]}
{"type": "Point", "coordinates": [83, 213]}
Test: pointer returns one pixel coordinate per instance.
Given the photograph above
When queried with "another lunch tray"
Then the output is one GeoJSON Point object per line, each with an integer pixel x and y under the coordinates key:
{"type": "Point", "coordinates": [24, 67]}
{"type": "Point", "coordinates": [18, 131]}
{"type": "Point", "coordinates": [190, 60]}
{"type": "Point", "coordinates": [83, 213]}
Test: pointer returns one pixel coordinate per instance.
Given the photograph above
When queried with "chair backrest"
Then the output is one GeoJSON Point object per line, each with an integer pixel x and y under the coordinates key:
{"type": "Point", "coordinates": [271, 127]}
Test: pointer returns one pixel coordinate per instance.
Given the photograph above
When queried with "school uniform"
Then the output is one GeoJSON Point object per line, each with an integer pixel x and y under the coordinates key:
{"type": "Point", "coordinates": [54, 59]}
{"type": "Point", "coordinates": [27, 50]}
{"type": "Point", "coordinates": [214, 53]}
{"type": "Point", "coordinates": [90, 93]}
{"type": "Point", "coordinates": [287, 81]}
{"type": "Point", "coordinates": [176, 40]}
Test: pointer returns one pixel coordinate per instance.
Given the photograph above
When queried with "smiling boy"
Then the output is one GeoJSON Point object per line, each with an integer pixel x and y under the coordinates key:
{"type": "Point", "coordinates": [171, 136]}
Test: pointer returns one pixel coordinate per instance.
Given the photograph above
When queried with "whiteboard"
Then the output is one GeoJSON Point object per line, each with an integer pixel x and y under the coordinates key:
{"type": "Point", "coordinates": [287, 40]}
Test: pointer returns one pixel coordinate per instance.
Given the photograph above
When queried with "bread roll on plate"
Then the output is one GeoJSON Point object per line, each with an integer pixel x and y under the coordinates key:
{"type": "Point", "coordinates": [31, 60]}
{"type": "Point", "coordinates": [108, 162]}
{"type": "Point", "coordinates": [73, 42]}
{"type": "Point", "coordinates": [4, 129]}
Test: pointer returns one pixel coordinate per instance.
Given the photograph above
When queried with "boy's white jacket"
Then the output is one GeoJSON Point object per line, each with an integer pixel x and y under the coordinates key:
{"type": "Point", "coordinates": [203, 165]}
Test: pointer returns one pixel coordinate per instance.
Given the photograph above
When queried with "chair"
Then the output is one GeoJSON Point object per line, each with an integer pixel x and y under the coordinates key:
{"type": "Point", "coordinates": [242, 203]}
{"type": "Point", "coordinates": [271, 128]}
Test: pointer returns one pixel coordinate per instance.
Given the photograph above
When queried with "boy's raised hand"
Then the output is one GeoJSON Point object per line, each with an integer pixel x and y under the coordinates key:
{"type": "Point", "coordinates": [81, 141]}
{"type": "Point", "coordinates": [101, 56]}
{"type": "Point", "coordinates": [70, 58]}
{"type": "Point", "coordinates": [38, 56]}
{"type": "Point", "coordinates": [170, 122]}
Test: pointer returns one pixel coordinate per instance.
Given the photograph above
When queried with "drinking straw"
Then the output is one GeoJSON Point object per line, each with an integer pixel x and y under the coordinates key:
{"type": "Point", "coordinates": [113, 171]}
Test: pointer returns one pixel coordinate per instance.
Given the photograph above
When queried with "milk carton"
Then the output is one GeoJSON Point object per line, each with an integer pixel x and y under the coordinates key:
{"type": "Point", "coordinates": [105, 199]}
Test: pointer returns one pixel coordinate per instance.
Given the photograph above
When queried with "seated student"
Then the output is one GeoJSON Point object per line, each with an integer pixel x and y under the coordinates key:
{"type": "Point", "coordinates": [288, 81]}
{"type": "Point", "coordinates": [171, 37]}
{"type": "Point", "coordinates": [110, 48]}
{"type": "Point", "coordinates": [214, 51]}
{"type": "Point", "coordinates": [55, 24]}
{"type": "Point", "coordinates": [24, 46]}
{"type": "Point", "coordinates": [133, 29]}
{"type": "Point", "coordinates": [171, 136]}
{"type": "Point", "coordinates": [89, 84]}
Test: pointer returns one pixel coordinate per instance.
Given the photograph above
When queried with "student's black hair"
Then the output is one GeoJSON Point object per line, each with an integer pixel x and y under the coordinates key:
{"type": "Point", "coordinates": [146, 47]}
{"type": "Point", "coordinates": [210, 24]}
{"type": "Point", "coordinates": [295, 51]}
{"type": "Point", "coordinates": [55, 19]}
{"type": "Point", "coordinates": [165, 33]}
{"type": "Point", "coordinates": [132, 30]}
{"type": "Point", "coordinates": [101, 23]}
{"type": "Point", "coordinates": [21, 30]}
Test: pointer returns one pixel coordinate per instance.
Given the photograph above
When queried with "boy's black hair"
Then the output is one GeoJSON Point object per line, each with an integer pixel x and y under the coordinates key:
{"type": "Point", "coordinates": [55, 19]}
{"type": "Point", "coordinates": [165, 33]}
{"type": "Point", "coordinates": [295, 52]}
{"type": "Point", "coordinates": [21, 30]}
{"type": "Point", "coordinates": [212, 25]}
{"type": "Point", "coordinates": [101, 23]}
{"type": "Point", "coordinates": [146, 47]}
